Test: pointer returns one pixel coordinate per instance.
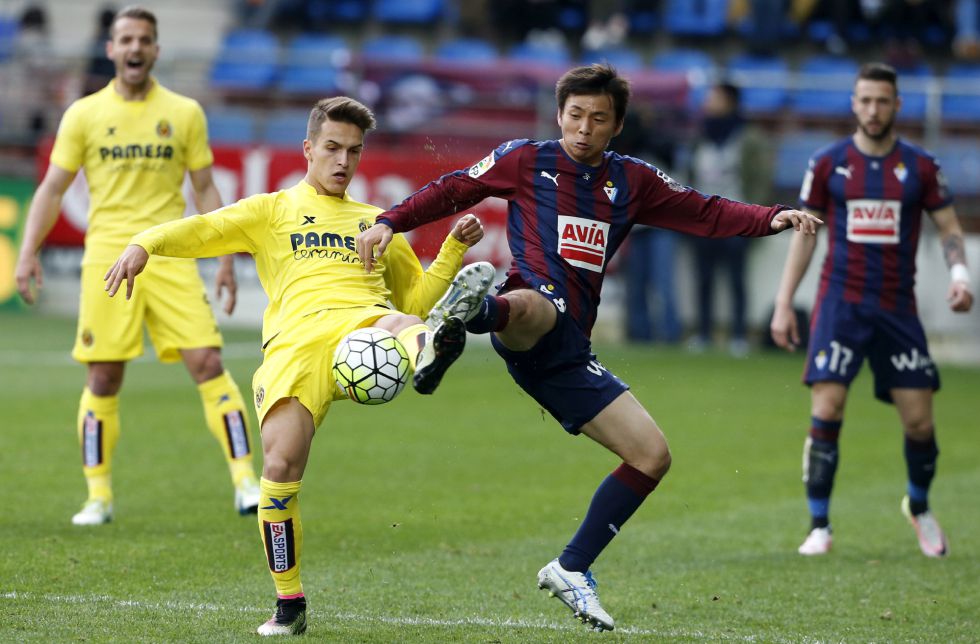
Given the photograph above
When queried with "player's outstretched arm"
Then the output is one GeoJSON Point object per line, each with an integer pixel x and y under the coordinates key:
{"type": "Point", "coordinates": [130, 264]}
{"type": "Point", "coordinates": [783, 327]}
{"type": "Point", "coordinates": [799, 220]}
{"type": "Point", "coordinates": [377, 237]}
{"type": "Point", "coordinates": [41, 215]}
{"type": "Point", "coordinates": [959, 296]}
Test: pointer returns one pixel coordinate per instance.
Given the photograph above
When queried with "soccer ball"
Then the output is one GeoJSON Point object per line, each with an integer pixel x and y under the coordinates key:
{"type": "Point", "coordinates": [371, 366]}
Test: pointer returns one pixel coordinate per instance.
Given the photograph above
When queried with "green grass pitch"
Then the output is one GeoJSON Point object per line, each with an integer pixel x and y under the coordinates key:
{"type": "Point", "coordinates": [426, 520]}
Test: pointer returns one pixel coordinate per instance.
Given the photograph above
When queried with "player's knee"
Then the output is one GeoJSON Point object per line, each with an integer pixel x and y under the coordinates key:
{"type": "Point", "coordinates": [104, 382]}
{"type": "Point", "coordinates": [280, 468]}
{"type": "Point", "coordinates": [205, 365]}
{"type": "Point", "coordinates": [655, 459]}
{"type": "Point", "coordinates": [919, 429]}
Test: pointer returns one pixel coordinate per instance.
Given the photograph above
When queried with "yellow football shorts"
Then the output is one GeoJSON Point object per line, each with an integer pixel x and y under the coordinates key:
{"type": "Point", "coordinates": [298, 361]}
{"type": "Point", "coordinates": [168, 296]}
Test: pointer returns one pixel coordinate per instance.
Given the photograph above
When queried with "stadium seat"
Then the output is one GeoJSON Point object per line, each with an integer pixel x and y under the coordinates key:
{"type": "Point", "coordinates": [793, 155]}
{"type": "Point", "coordinates": [963, 105]}
{"type": "Point", "coordinates": [466, 50]}
{"type": "Point", "coordinates": [621, 58]}
{"type": "Point", "coordinates": [415, 12]}
{"type": "Point", "coordinates": [325, 12]}
{"type": "Point", "coordinates": [825, 87]}
{"type": "Point", "coordinates": [689, 18]}
{"type": "Point", "coordinates": [698, 66]}
{"type": "Point", "coordinates": [553, 53]}
{"type": "Point", "coordinates": [312, 63]}
{"type": "Point", "coordinates": [235, 127]}
{"type": "Point", "coordinates": [247, 60]}
{"type": "Point", "coordinates": [8, 36]}
{"type": "Point", "coordinates": [392, 49]}
{"type": "Point", "coordinates": [912, 82]}
{"type": "Point", "coordinates": [762, 79]}
{"type": "Point", "coordinates": [286, 128]}
{"type": "Point", "coordinates": [643, 22]}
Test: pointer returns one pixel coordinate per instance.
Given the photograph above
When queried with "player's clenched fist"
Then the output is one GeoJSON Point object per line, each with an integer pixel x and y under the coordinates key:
{"type": "Point", "coordinates": [468, 230]}
{"type": "Point", "coordinates": [130, 264]}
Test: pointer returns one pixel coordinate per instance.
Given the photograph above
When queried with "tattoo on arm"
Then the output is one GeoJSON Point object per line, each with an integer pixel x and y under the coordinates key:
{"type": "Point", "coordinates": [954, 250]}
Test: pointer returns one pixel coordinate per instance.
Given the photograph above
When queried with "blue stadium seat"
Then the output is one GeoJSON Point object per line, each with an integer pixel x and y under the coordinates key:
{"type": "Point", "coordinates": [8, 36]}
{"type": "Point", "coordinates": [392, 49]}
{"type": "Point", "coordinates": [466, 50]}
{"type": "Point", "coordinates": [689, 18]}
{"type": "Point", "coordinates": [312, 63]}
{"type": "Point", "coordinates": [962, 106]}
{"type": "Point", "coordinates": [793, 154]}
{"type": "Point", "coordinates": [325, 12]}
{"type": "Point", "coordinates": [911, 82]}
{"type": "Point", "coordinates": [228, 126]}
{"type": "Point", "coordinates": [643, 22]}
{"type": "Point", "coordinates": [416, 12]}
{"type": "Point", "coordinates": [286, 128]}
{"type": "Point", "coordinates": [762, 79]}
{"type": "Point", "coordinates": [621, 58]}
{"type": "Point", "coordinates": [826, 85]}
{"type": "Point", "coordinates": [248, 60]}
{"type": "Point", "coordinates": [698, 66]}
{"type": "Point", "coordinates": [552, 53]}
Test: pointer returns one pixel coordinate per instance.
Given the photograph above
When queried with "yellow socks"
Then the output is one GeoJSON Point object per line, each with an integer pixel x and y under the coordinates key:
{"type": "Point", "coordinates": [98, 433]}
{"type": "Point", "coordinates": [282, 534]}
{"type": "Point", "coordinates": [224, 412]}
{"type": "Point", "coordinates": [413, 338]}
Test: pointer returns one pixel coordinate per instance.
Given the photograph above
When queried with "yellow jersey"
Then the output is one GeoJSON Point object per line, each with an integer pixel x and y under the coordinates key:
{"type": "Point", "coordinates": [135, 155]}
{"type": "Point", "coordinates": [303, 244]}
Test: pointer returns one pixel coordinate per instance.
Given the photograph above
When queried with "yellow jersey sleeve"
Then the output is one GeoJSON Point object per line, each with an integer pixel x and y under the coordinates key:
{"type": "Point", "coordinates": [198, 151]}
{"type": "Point", "coordinates": [232, 229]}
{"type": "Point", "coordinates": [68, 152]}
{"type": "Point", "coordinates": [414, 291]}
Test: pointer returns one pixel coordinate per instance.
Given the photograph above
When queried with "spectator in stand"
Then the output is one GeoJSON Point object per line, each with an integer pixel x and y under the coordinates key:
{"type": "Point", "coordinates": [651, 253]}
{"type": "Point", "coordinates": [34, 71]}
{"type": "Point", "coordinates": [100, 69]}
{"type": "Point", "coordinates": [728, 158]}
{"type": "Point", "coordinates": [966, 44]}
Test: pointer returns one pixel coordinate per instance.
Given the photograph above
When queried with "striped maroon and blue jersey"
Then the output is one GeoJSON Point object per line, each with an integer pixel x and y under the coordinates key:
{"type": "Point", "coordinates": [872, 208]}
{"type": "Point", "coordinates": [566, 220]}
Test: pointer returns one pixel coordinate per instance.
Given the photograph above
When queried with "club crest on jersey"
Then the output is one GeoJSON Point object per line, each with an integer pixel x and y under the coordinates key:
{"type": "Point", "coordinates": [873, 221]}
{"type": "Point", "coordinates": [901, 172]}
{"type": "Point", "coordinates": [164, 130]}
{"type": "Point", "coordinates": [482, 166]}
{"type": "Point", "coordinates": [610, 191]}
{"type": "Point", "coordinates": [582, 242]}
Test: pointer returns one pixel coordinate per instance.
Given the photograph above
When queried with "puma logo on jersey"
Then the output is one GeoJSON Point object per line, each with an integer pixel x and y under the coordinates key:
{"type": "Point", "coordinates": [552, 178]}
{"type": "Point", "coordinates": [844, 171]}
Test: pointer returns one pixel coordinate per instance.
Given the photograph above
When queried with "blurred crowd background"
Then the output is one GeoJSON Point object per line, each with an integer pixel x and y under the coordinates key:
{"type": "Point", "coordinates": [731, 96]}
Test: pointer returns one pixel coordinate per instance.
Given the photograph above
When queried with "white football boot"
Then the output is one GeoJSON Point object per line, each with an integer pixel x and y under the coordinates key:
{"type": "Point", "coordinates": [932, 541]}
{"type": "Point", "coordinates": [94, 512]}
{"type": "Point", "coordinates": [247, 495]}
{"type": "Point", "coordinates": [818, 542]}
{"type": "Point", "coordinates": [441, 350]}
{"type": "Point", "coordinates": [465, 294]}
{"type": "Point", "coordinates": [577, 591]}
{"type": "Point", "coordinates": [289, 618]}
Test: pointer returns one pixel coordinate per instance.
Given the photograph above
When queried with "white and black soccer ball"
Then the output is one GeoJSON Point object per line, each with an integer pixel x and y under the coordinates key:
{"type": "Point", "coordinates": [371, 366]}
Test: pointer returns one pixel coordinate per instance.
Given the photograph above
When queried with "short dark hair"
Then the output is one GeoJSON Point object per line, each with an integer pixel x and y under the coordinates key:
{"type": "Point", "coordinates": [597, 78]}
{"type": "Point", "coordinates": [342, 109]}
{"type": "Point", "coordinates": [137, 13]}
{"type": "Point", "coordinates": [879, 72]}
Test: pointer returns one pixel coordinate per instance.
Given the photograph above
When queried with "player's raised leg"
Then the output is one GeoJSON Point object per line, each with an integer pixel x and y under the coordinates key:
{"type": "Point", "coordinates": [98, 433]}
{"type": "Point", "coordinates": [448, 318]}
{"type": "Point", "coordinates": [287, 431]}
{"type": "Point", "coordinates": [227, 420]}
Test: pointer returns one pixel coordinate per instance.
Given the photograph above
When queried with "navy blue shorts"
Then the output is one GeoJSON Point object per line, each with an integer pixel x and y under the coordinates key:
{"type": "Point", "coordinates": [562, 374]}
{"type": "Point", "coordinates": [842, 334]}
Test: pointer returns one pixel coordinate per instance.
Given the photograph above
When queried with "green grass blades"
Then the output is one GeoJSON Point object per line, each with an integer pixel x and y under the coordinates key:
{"type": "Point", "coordinates": [427, 519]}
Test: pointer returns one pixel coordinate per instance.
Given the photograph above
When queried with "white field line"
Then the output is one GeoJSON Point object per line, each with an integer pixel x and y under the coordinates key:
{"type": "Point", "coordinates": [54, 358]}
{"type": "Point", "coordinates": [391, 620]}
